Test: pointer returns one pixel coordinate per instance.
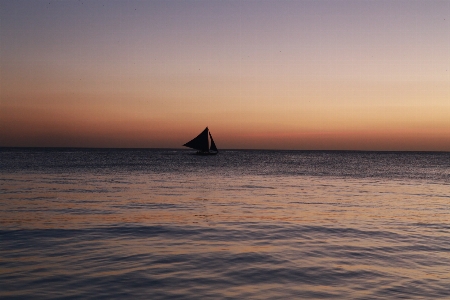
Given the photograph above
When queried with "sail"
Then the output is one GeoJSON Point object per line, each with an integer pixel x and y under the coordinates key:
{"type": "Point", "coordinates": [213, 145]}
{"type": "Point", "coordinates": [200, 142]}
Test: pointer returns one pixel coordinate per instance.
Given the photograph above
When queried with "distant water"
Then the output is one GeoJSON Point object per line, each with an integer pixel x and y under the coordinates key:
{"type": "Point", "coordinates": [165, 224]}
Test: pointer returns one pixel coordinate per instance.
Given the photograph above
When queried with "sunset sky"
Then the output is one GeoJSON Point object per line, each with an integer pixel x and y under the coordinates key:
{"type": "Point", "coordinates": [357, 75]}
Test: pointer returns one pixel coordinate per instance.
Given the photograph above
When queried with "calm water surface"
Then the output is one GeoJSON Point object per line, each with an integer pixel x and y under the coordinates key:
{"type": "Point", "coordinates": [165, 224]}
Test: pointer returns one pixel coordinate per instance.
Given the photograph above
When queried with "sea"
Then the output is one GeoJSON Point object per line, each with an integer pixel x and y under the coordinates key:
{"type": "Point", "coordinates": [243, 224]}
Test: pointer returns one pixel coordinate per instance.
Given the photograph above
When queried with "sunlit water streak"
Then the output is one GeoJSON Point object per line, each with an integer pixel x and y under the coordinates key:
{"type": "Point", "coordinates": [161, 224]}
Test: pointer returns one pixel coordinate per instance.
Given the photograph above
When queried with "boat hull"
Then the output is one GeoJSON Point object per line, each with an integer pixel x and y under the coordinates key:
{"type": "Point", "coordinates": [201, 153]}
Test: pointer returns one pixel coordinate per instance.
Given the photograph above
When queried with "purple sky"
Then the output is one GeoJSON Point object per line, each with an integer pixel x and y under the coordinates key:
{"type": "Point", "coordinates": [261, 74]}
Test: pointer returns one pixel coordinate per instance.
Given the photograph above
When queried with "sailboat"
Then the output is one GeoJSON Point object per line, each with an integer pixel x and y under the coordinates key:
{"type": "Point", "coordinates": [202, 145]}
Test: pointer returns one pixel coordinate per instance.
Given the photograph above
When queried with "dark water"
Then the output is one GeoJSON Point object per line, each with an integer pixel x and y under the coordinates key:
{"type": "Point", "coordinates": [164, 224]}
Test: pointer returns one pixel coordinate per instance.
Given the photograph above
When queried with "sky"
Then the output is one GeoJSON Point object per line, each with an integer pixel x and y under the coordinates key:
{"type": "Point", "coordinates": [306, 75]}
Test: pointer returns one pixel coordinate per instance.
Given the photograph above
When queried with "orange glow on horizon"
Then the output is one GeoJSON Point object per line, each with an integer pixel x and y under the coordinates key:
{"type": "Point", "coordinates": [34, 127]}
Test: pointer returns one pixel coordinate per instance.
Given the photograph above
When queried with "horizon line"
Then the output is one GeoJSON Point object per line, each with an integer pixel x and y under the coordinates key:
{"type": "Point", "coordinates": [223, 149]}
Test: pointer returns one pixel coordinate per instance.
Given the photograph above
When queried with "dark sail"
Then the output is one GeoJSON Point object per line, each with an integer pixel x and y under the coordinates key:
{"type": "Point", "coordinates": [200, 142]}
{"type": "Point", "coordinates": [213, 145]}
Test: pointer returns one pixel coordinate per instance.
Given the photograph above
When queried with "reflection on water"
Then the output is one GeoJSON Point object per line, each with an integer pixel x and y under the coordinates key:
{"type": "Point", "coordinates": [148, 199]}
{"type": "Point", "coordinates": [115, 232]}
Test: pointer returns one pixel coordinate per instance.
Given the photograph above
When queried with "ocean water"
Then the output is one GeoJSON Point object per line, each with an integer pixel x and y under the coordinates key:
{"type": "Point", "coordinates": [165, 224]}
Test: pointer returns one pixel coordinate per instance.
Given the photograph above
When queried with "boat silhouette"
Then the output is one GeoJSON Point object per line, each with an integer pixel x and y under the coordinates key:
{"type": "Point", "coordinates": [202, 144]}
